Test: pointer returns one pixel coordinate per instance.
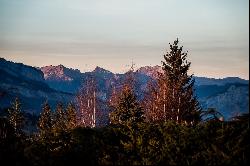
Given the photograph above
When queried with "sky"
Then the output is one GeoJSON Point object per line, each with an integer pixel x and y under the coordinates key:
{"type": "Point", "coordinates": [112, 34]}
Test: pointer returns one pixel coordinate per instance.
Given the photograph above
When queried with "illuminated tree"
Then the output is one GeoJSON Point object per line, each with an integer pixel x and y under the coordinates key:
{"type": "Point", "coordinates": [172, 98]}
{"type": "Point", "coordinates": [45, 121]}
{"type": "Point", "coordinates": [126, 108]}
{"type": "Point", "coordinates": [59, 120]}
{"type": "Point", "coordinates": [71, 116]}
{"type": "Point", "coordinates": [15, 116]}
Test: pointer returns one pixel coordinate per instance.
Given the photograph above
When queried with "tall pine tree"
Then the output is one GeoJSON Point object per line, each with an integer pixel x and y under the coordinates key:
{"type": "Point", "coordinates": [179, 101]}
{"type": "Point", "coordinates": [172, 96]}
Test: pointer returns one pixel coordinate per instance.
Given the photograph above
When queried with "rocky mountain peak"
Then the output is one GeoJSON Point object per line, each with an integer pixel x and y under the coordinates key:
{"type": "Point", "coordinates": [55, 73]}
{"type": "Point", "coordinates": [100, 70]}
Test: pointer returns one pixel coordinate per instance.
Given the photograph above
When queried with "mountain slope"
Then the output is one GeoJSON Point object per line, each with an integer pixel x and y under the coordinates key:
{"type": "Point", "coordinates": [27, 83]}
{"type": "Point", "coordinates": [220, 82]}
{"type": "Point", "coordinates": [231, 100]}
{"type": "Point", "coordinates": [61, 78]}
{"type": "Point", "coordinates": [21, 70]}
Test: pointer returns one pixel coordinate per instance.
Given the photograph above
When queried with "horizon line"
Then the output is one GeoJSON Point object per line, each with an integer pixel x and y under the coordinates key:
{"type": "Point", "coordinates": [136, 68]}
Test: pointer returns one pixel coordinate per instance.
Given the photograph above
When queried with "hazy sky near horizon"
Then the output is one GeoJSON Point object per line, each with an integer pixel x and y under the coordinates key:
{"type": "Point", "coordinates": [112, 33]}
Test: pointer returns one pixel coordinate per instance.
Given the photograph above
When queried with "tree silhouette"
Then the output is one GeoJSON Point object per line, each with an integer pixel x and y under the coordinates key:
{"type": "Point", "coordinates": [45, 122]}
{"type": "Point", "coordinates": [128, 115]}
{"type": "Point", "coordinates": [173, 96]}
{"type": "Point", "coordinates": [128, 110]}
{"type": "Point", "coordinates": [15, 116]}
{"type": "Point", "coordinates": [71, 116]}
{"type": "Point", "coordinates": [59, 120]}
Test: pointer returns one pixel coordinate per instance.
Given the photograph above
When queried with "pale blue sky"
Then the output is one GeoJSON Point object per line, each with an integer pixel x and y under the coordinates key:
{"type": "Point", "coordinates": [111, 33]}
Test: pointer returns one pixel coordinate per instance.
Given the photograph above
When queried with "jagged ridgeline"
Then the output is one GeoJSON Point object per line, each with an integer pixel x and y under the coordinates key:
{"type": "Point", "coordinates": [34, 85]}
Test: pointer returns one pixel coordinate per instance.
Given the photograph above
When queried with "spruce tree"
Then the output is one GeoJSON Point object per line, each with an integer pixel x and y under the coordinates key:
{"type": "Point", "coordinates": [15, 116]}
{"type": "Point", "coordinates": [128, 110]}
{"type": "Point", "coordinates": [71, 116]}
{"type": "Point", "coordinates": [179, 101]}
{"type": "Point", "coordinates": [45, 121]}
{"type": "Point", "coordinates": [59, 120]}
{"type": "Point", "coordinates": [129, 115]}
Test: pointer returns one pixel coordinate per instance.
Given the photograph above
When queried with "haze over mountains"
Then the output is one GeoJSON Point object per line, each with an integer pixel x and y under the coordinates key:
{"type": "Point", "coordinates": [33, 85]}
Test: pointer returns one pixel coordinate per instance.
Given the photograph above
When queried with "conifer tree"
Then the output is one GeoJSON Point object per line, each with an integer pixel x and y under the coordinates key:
{"type": "Point", "coordinates": [59, 120]}
{"type": "Point", "coordinates": [129, 115]}
{"type": "Point", "coordinates": [15, 116]}
{"type": "Point", "coordinates": [128, 82]}
{"type": "Point", "coordinates": [172, 96]}
{"type": "Point", "coordinates": [177, 87]}
{"type": "Point", "coordinates": [45, 121]}
{"type": "Point", "coordinates": [71, 116]}
{"type": "Point", "coordinates": [127, 110]}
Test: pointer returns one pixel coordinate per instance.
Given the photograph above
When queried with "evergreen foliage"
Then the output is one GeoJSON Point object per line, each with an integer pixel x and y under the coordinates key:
{"type": "Point", "coordinates": [128, 117]}
{"type": "Point", "coordinates": [15, 116]}
{"type": "Point", "coordinates": [71, 116]}
{"type": "Point", "coordinates": [59, 120]}
{"type": "Point", "coordinates": [128, 110]}
{"type": "Point", "coordinates": [182, 104]}
{"type": "Point", "coordinates": [45, 122]}
{"type": "Point", "coordinates": [166, 143]}
{"type": "Point", "coordinates": [172, 96]}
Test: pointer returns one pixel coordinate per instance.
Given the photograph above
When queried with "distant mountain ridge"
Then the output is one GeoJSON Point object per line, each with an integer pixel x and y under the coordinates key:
{"type": "Point", "coordinates": [223, 81]}
{"type": "Point", "coordinates": [21, 70]}
{"type": "Point", "coordinates": [61, 78]}
{"type": "Point", "coordinates": [211, 92]}
{"type": "Point", "coordinates": [153, 70]}
{"type": "Point", "coordinates": [62, 74]}
{"type": "Point", "coordinates": [27, 83]}
{"type": "Point", "coordinates": [101, 70]}
{"type": "Point", "coordinates": [59, 83]}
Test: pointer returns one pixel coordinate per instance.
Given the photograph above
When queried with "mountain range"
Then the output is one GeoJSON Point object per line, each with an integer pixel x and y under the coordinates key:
{"type": "Point", "coordinates": [35, 85]}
